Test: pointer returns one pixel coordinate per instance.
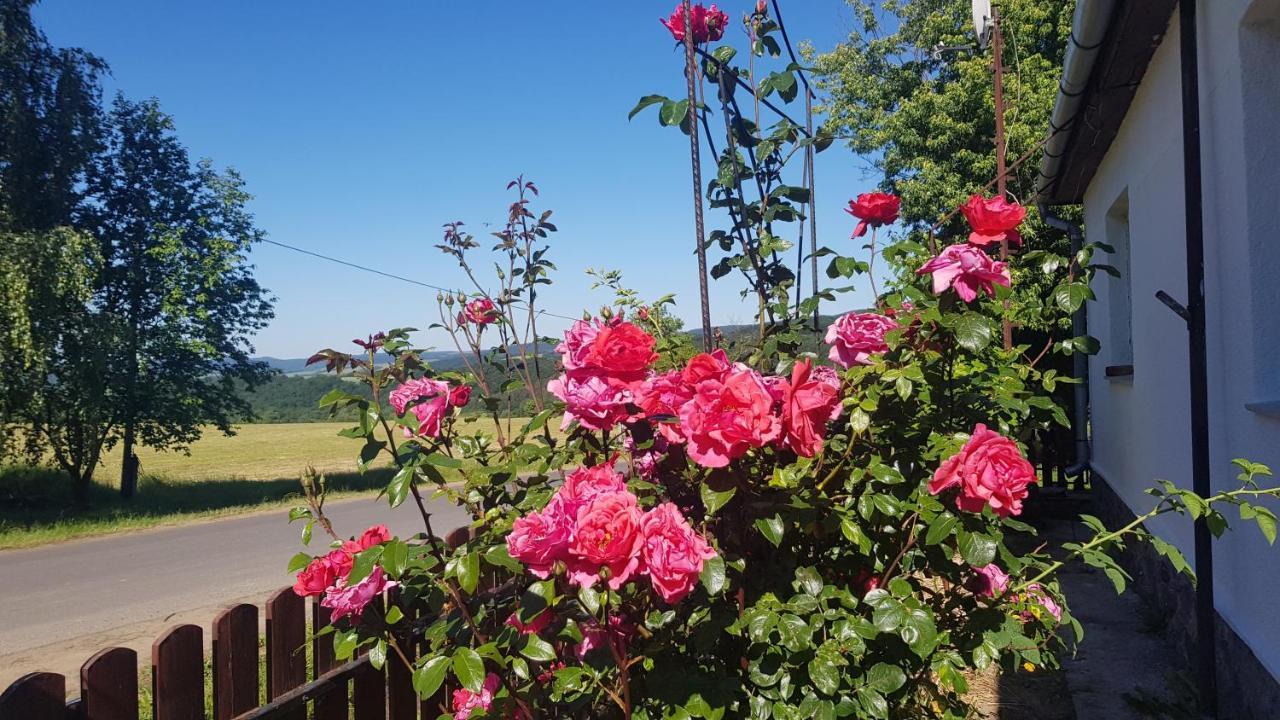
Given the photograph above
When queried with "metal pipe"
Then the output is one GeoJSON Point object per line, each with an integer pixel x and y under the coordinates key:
{"type": "Point", "coordinates": [1079, 360]}
{"type": "Point", "coordinates": [1197, 355]}
{"type": "Point", "coordinates": [700, 247]}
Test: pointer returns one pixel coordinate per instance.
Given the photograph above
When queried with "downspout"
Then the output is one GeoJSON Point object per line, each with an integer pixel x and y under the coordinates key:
{"type": "Point", "coordinates": [1079, 360]}
{"type": "Point", "coordinates": [1194, 313]}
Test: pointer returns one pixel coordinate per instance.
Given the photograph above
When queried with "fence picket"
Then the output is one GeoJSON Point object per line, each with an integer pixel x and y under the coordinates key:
{"type": "Point", "coordinates": [235, 661]}
{"type": "Point", "coordinates": [369, 697]}
{"type": "Point", "coordinates": [332, 706]}
{"type": "Point", "coordinates": [286, 646]}
{"type": "Point", "coordinates": [109, 685]}
{"type": "Point", "coordinates": [177, 674]}
{"type": "Point", "coordinates": [35, 696]}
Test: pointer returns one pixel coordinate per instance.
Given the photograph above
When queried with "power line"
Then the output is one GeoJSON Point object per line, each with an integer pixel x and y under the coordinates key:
{"type": "Point", "coordinates": [401, 278]}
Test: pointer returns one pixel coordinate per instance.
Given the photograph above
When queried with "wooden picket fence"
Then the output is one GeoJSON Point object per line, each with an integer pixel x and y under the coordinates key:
{"type": "Point", "coordinates": [350, 691]}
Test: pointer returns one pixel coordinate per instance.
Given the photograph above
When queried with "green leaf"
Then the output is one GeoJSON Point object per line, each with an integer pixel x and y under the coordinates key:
{"type": "Point", "coordinates": [398, 488]}
{"type": "Point", "coordinates": [1070, 296]}
{"type": "Point", "coordinates": [873, 703]}
{"type": "Point", "coordinates": [825, 673]}
{"type": "Point", "coordinates": [498, 556]}
{"type": "Point", "coordinates": [713, 575]}
{"type": "Point", "coordinates": [977, 549]}
{"type": "Point", "coordinates": [645, 102]}
{"type": "Point", "coordinates": [886, 678]}
{"type": "Point", "coordinates": [469, 669]}
{"type": "Point", "coordinates": [673, 113]}
{"type": "Point", "coordinates": [809, 581]}
{"type": "Point", "coordinates": [468, 570]}
{"type": "Point", "coordinates": [299, 561]}
{"type": "Point", "coordinates": [973, 331]}
{"type": "Point", "coordinates": [1266, 523]}
{"type": "Point", "coordinates": [537, 649]}
{"type": "Point", "coordinates": [428, 678]}
{"type": "Point", "coordinates": [772, 529]}
{"type": "Point", "coordinates": [378, 654]}
{"type": "Point", "coordinates": [714, 500]}
{"type": "Point", "coordinates": [889, 615]}
{"type": "Point", "coordinates": [442, 460]}
{"type": "Point", "coordinates": [941, 528]}
{"type": "Point", "coordinates": [590, 599]}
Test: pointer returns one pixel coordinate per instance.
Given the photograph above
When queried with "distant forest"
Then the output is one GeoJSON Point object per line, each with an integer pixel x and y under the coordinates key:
{"type": "Point", "coordinates": [296, 398]}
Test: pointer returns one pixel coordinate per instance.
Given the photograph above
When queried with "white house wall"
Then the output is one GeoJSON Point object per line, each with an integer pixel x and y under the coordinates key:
{"type": "Point", "coordinates": [1140, 426]}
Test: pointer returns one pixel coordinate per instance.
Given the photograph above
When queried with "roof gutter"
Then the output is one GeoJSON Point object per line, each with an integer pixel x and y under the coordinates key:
{"type": "Point", "coordinates": [1088, 29]}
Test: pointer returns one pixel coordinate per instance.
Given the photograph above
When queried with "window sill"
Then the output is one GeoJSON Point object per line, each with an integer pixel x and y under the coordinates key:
{"type": "Point", "coordinates": [1268, 408]}
{"type": "Point", "coordinates": [1119, 373]}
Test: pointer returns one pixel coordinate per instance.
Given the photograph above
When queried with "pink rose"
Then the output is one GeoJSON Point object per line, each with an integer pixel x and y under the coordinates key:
{"type": "Point", "coordinates": [375, 535]}
{"type": "Point", "coordinates": [811, 401]}
{"type": "Point", "coordinates": [968, 270]}
{"type": "Point", "coordinates": [586, 483]}
{"type": "Point", "coordinates": [350, 600]}
{"type": "Point", "coordinates": [1037, 595]}
{"type": "Point", "coordinates": [993, 219]}
{"type": "Point", "coordinates": [534, 626]}
{"type": "Point", "coordinates": [660, 397]}
{"type": "Point", "coordinates": [989, 470]}
{"type": "Point", "coordinates": [855, 337]}
{"type": "Point", "coordinates": [708, 23]}
{"type": "Point", "coordinates": [595, 636]}
{"type": "Point", "coordinates": [432, 398]}
{"type": "Point", "coordinates": [541, 539]}
{"type": "Point", "coordinates": [592, 401]}
{"type": "Point", "coordinates": [607, 537]}
{"type": "Point", "coordinates": [577, 344]}
{"type": "Point", "coordinates": [725, 419]}
{"type": "Point", "coordinates": [990, 581]}
{"type": "Point", "coordinates": [480, 311]}
{"type": "Point", "coordinates": [466, 702]}
{"type": "Point", "coordinates": [672, 552]}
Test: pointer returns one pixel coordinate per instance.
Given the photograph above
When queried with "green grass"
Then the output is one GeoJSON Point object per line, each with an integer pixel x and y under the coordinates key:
{"type": "Point", "coordinates": [258, 468]}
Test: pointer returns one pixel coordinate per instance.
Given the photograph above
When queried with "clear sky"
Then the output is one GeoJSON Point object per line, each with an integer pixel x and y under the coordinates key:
{"type": "Point", "coordinates": [361, 128]}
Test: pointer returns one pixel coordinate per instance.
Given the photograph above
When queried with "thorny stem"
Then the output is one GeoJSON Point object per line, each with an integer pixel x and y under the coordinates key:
{"type": "Point", "coordinates": [871, 268]}
{"type": "Point", "coordinates": [911, 540]}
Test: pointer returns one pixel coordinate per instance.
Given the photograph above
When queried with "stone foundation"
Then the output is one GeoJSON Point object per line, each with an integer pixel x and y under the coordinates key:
{"type": "Point", "coordinates": [1246, 690]}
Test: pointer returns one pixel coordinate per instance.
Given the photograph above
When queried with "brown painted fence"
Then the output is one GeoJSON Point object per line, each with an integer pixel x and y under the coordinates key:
{"type": "Point", "coordinates": [350, 691]}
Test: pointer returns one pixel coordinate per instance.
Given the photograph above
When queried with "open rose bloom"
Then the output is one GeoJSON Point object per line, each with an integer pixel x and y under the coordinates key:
{"type": "Point", "coordinates": [993, 220]}
{"type": "Point", "coordinates": [708, 23]}
{"type": "Point", "coordinates": [875, 209]}
{"type": "Point", "coordinates": [967, 270]}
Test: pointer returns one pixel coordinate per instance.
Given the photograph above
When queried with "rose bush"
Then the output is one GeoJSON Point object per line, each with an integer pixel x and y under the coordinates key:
{"type": "Point", "coordinates": [795, 525]}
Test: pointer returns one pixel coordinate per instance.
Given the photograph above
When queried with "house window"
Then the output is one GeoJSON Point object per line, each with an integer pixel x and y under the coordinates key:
{"type": "Point", "coordinates": [1260, 86]}
{"type": "Point", "coordinates": [1119, 349]}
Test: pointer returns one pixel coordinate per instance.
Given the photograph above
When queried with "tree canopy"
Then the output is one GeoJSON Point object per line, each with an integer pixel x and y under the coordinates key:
{"type": "Point", "coordinates": [128, 299]}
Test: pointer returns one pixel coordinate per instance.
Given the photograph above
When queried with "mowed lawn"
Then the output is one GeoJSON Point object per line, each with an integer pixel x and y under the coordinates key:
{"type": "Point", "coordinates": [257, 468]}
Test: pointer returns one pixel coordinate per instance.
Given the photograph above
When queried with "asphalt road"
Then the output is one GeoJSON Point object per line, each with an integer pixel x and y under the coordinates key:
{"type": "Point", "coordinates": [61, 603]}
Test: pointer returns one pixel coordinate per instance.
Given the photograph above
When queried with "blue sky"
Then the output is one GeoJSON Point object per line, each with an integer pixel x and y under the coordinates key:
{"type": "Point", "coordinates": [362, 128]}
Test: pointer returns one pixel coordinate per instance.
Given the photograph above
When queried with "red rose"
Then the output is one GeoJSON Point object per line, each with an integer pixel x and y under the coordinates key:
{"type": "Point", "coordinates": [622, 350]}
{"type": "Point", "coordinates": [989, 470]}
{"type": "Point", "coordinates": [706, 366]}
{"type": "Point", "coordinates": [874, 210]}
{"type": "Point", "coordinates": [810, 402]}
{"type": "Point", "coordinates": [460, 396]}
{"type": "Point", "coordinates": [660, 397]}
{"type": "Point", "coordinates": [993, 219]}
{"type": "Point", "coordinates": [726, 418]}
{"type": "Point", "coordinates": [708, 23]}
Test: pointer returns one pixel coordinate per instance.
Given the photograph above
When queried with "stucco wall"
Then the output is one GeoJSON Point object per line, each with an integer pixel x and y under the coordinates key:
{"type": "Point", "coordinates": [1140, 426]}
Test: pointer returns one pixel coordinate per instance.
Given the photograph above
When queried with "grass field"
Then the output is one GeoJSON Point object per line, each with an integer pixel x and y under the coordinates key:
{"type": "Point", "coordinates": [256, 468]}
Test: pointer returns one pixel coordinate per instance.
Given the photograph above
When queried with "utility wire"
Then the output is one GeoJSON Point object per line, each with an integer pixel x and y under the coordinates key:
{"type": "Point", "coordinates": [411, 281]}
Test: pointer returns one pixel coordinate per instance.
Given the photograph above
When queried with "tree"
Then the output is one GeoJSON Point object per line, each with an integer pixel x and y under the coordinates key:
{"type": "Point", "coordinates": [910, 89]}
{"type": "Point", "coordinates": [175, 284]}
{"type": "Point", "coordinates": [49, 125]}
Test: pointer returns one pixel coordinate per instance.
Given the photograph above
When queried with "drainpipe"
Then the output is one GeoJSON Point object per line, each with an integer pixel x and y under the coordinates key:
{"type": "Point", "coordinates": [1079, 360]}
{"type": "Point", "coordinates": [1197, 355]}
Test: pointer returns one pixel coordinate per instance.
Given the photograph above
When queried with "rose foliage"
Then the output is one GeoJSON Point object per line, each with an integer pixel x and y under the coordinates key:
{"type": "Point", "coordinates": [816, 523]}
